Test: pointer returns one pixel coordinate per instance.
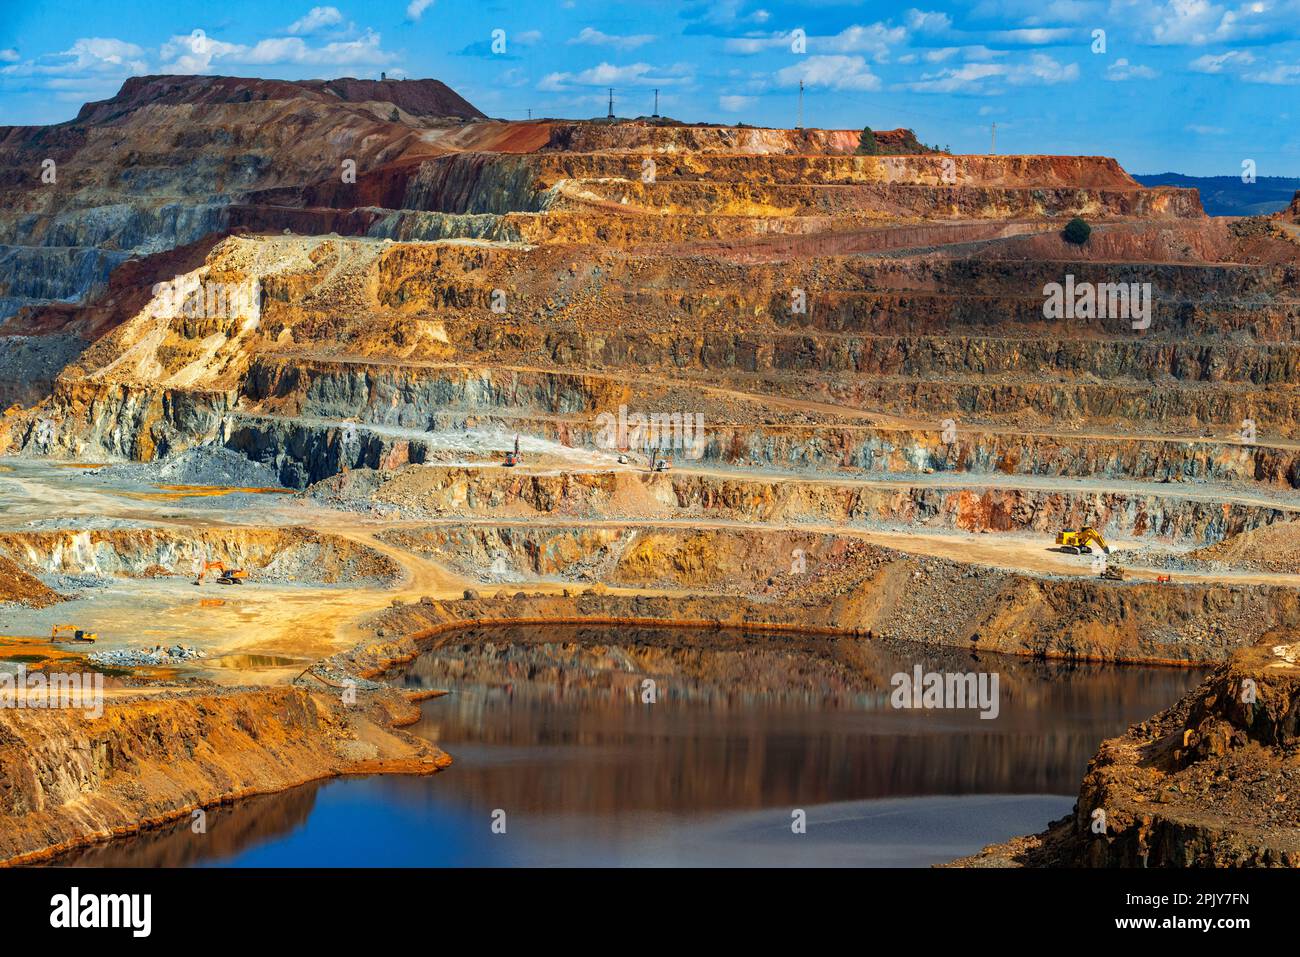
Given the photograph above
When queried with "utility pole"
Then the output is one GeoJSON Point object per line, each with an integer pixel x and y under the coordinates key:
{"type": "Point", "coordinates": [995, 140]}
{"type": "Point", "coordinates": [530, 112]}
{"type": "Point", "coordinates": [800, 126]}
{"type": "Point", "coordinates": [656, 112]}
{"type": "Point", "coordinates": [611, 104]}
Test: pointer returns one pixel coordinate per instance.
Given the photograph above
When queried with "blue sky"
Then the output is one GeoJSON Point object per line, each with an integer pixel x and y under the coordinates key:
{"type": "Point", "coordinates": [1186, 85]}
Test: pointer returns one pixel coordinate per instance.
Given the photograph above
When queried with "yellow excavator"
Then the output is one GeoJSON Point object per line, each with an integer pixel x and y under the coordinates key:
{"type": "Point", "coordinates": [1080, 541]}
{"type": "Point", "coordinates": [74, 633]}
{"type": "Point", "coordinates": [225, 576]}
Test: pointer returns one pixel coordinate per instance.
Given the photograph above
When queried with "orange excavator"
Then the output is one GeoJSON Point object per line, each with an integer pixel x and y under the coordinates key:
{"type": "Point", "coordinates": [225, 576]}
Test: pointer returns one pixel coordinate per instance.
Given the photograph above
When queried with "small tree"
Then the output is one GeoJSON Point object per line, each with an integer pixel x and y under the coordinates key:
{"type": "Point", "coordinates": [394, 117]}
{"type": "Point", "coordinates": [867, 145]}
{"type": "Point", "coordinates": [1076, 231]}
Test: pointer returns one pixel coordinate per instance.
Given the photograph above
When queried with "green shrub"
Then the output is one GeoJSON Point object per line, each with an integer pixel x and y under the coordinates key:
{"type": "Point", "coordinates": [1076, 231]}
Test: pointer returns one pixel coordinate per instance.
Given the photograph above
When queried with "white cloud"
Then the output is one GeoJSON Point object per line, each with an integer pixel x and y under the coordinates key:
{"type": "Point", "coordinates": [1035, 36]}
{"type": "Point", "coordinates": [527, 38]}
{"type": "Point", "coordinates": [987, 78]}
{"type": "Point", "coordinates": [87, 56]}
{"type": "Point", "coordinates": [199, 54]}
{"type": "Point", "coordinates": [9, 56]}
{"type": "Point", "coordinates": [606, 74]}
{"type": "Point", "coordinates": [875, 40]}
{"type": "Point", "coordinates": [833, 72]}
{"type": "Point", "coordinates": [976, 52]}
{"type": "Point", "coordinates": [1198, 22]}
{"type": "Point", "coordinates": [734, 103]}
{"type": "Point", "coordinates": [597, 38]}
{"type": "Point", "coordinates": [415, 9]}
{"type": "Point", "coordinates": [1218, 62]}
{"type": "Point", "coordinates": [1283, 74]}
{"type": "Point", "coordinates": [1034, 13]}
{"type": "Point", "coordinates": [1122, 70]}
{"type": "Point", "coordinates": [757, 44]}
{"type": "Point", "coordinates": [1205, 130]}
{"type": "Point", "coordinates": [317, 18]}
{"type": "Point", "coordinates": [923, 22]}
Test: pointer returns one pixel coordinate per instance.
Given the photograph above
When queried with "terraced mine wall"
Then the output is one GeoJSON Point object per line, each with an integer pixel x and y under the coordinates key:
{"type": "Point", "coordinates": [564, 407]}
{"type": "Point", "coordinates": [431, 491]}
{"type": "Point", "coordinates": [131, 421]}
{"type": "Point", "coordinates": [926, 600]}
{"type": "Point", "coordinates": [296, 554]}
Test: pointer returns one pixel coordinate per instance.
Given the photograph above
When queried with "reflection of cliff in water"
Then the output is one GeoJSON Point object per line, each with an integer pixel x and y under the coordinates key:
{"type": "Point", "coordinates": [745, 720]}
{"type": "Point", "coordinates": [231, 828]}
{"type": "Point", "coordinates": [550, 724]}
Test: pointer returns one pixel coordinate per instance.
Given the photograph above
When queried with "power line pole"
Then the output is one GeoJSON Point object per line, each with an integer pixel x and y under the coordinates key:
{"type": "Point", "coordinates": [656, 113]}
{"type": "Point", "coordinates": [611, 104]}
{"type": "Point", "coordinates": [995, 140]}
{"type": "Point", "coordinates": [800, 126]}
{"type": "Point", "coordinates": [530, 112]}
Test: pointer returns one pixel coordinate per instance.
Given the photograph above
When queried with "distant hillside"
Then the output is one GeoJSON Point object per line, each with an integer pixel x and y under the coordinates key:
{"type": "Point", "coordinates": [1229, 196]}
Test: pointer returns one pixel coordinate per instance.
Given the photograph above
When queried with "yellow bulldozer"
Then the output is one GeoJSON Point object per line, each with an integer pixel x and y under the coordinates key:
{"type": "Point", "coordinates": [73, 633]}
{"type": "Point", "coordinates": [1080, 541]}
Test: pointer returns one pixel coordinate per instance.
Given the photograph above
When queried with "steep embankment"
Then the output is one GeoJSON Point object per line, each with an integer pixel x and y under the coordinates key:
{"type": "Point", "coordinates": [1211, 782]}
{"type": "Point", "coordinates": [68, 779]}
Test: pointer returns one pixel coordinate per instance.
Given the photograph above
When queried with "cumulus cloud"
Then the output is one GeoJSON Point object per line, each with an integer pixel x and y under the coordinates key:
{"type": "Point", "coordinates": [735, 103]}
{"type": "Point", "coordinates": [86, 57]}
{"type": "Point", "coordinates": [974, 52]}
{"type": "Point", "coordinates": [607, 74]}
{"type": "Point", "coordinates": [9, 56]}
{"type": "Point", "coordinates": [415, 9]}
{"type": "Point", "coordinates": [198, 53]}
{"type": "Point", "coordinates": [875, 39]}
{"type": "Point", "coordinates": [1281, 74]}
{"type": "Point", "coordinates": [923, 22]}
{"type": "Point", "coordinates": [316, 19]}
{"type": "Point", "coordinates": [594, 37]}
{"type": "Point", "coordinates": [988, 78]}
{"type": "Point", "coordinates": [1035, 36]}
{"type": "Point", "coordinates": [832, 72]}
{"type": "Point", "coordinates": [1122, 70]}
{"type": "Point", "coordinates": [1218, 62]}
{"type": "Point", "coordinates": [1199, 22]}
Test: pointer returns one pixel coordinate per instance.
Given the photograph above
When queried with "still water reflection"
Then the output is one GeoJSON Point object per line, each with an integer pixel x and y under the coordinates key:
{"type": "Point", "coordinates": [552, 727]}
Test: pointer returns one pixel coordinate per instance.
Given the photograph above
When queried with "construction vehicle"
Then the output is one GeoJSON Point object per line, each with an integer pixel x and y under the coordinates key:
{"type": "Point", "coordinates": [1080, 542]}
{"type": "Point", "coordinates": [14, 409]}
{"type": "Point", "coordinates": [1163, 579]}
{"type": "Point", "coordinates": [225, 576]}
{"type": "Point", "coordinates": [512, 458]}
{"type": "Point", "coordinates": [658, 464]}
{"type": "Point", "coordinates": [74, 633]}
{"type": "Point", "coordinates": [1112, 573]}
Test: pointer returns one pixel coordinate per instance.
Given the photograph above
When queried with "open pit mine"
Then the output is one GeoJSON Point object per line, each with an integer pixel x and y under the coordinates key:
{"type": "Point", "coordinates": [719, 474]}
